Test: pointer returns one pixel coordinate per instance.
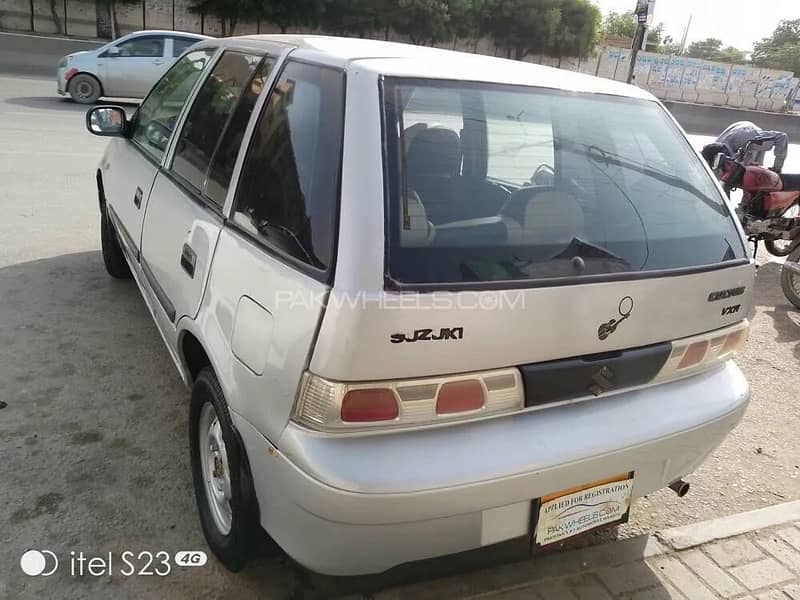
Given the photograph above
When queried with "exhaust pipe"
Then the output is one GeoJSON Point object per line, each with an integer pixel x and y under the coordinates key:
{"type": "Point", "coordinates": [680, 487]}
{"type": "Point", "coordinates": [792, 267]}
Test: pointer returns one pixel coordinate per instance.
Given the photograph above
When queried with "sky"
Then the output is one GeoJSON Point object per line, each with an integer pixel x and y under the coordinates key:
{"type": "Point", "coordinates": [737, 23]}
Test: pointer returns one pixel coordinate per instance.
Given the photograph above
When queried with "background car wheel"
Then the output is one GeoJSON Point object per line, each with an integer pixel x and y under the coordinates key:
{"type": "Point", "coordinates": [779, 247]}
{"type": "Point", "coordinates": [791, 282]}
{"type": "Point", "coordinates": [84, 88]}
{"type": "Point", "coordinates": [222, 483]}
{"type": "Point", "coordinates": [114, 259]}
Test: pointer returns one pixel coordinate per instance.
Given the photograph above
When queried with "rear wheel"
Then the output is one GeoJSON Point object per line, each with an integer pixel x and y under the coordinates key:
{"type": "Point", "coordinates": [222, 483]}
{"type": "Point", "coordinates": [114, 259]}
{"type": "Point", "coordinates": [790, 282]}
{"type": "Point", "coordinates": [779, 247]}
{"type": "Point", "coordinates": [84, 88]}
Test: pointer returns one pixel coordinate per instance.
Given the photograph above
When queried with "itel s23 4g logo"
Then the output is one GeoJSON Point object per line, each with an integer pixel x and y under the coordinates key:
{"type": "Point", "coordinates": [424, 335]}
{"type": "Point", "coordinates": [625, 309]}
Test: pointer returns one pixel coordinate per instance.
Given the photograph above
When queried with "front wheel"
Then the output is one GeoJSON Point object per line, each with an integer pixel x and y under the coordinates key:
{"type": "Point", "coordinates": [790, 281]}
{"type": "Point", "coordinates": [84, 88]}
{"type": "Point", "coordinates": [222, 484]}
{"type": "Point", "coordinates": [779, 247]}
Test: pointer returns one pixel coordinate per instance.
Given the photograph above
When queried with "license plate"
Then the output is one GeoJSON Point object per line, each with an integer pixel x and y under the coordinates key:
{"type": "Point", "coordinates": [576, 511]}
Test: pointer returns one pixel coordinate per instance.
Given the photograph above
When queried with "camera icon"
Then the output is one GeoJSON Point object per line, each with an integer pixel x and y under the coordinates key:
{"type": "Point", "coordinates": [35, 563]}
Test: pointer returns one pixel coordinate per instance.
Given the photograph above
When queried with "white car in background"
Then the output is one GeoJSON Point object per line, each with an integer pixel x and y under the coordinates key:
{"type": "Point", "coordinates": [126, 68]}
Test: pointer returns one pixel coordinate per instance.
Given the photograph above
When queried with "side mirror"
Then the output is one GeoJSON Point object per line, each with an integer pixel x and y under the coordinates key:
{"type": "Point", "coordinates": [113, 52]}
{"type": "Point", "coordinates": [107, 121]}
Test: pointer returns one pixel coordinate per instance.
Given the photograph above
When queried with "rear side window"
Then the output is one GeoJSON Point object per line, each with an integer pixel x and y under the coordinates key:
{"type": "Point", "coordinates": [208, 115]}
{"type": "Point", "coordinates": [507, 183]}
{"type": "Point", "coordinates": [219, 175]}
{"type": "Point", "coordinates": [181, 44]}
{"type": "Point", "coordinates": [290, 179]}
{"type": "Point", "coordinates": [157, 115]}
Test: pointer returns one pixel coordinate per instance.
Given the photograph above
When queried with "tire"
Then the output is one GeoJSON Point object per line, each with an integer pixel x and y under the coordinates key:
{"type": "Point", "coordinates": [113, 257]}
{"type": "Point", "coordinates": [84, 88]}
{"type": "Point", "coordinates": [222, 482]}
{"type": "Point", "coordinates": [791, 282]}
{"type": "Point", "coordinates": [782, 250]}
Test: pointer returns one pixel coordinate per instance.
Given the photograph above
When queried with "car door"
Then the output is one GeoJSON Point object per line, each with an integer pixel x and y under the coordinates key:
{"type": "Point", "coordinates": [131, 67]}
{"type": "Point", "coordinates": [130, 165]}
{"type": "Point", "coordinates": [184, 213]}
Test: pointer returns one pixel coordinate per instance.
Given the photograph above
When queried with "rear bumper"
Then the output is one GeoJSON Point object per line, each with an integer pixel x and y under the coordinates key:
{"type": "Point", "coordinates": [61, 82]}
{"type": "Point", "coordinates": [362, 504]}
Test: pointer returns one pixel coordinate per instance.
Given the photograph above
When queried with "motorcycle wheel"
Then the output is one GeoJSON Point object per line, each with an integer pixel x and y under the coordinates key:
{"type": "Point", "coordinates": [779, 247]}
{"type": "Point", "coordinates": [790, 282]}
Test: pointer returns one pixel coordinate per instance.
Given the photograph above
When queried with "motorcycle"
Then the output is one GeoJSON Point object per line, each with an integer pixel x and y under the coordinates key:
{"type": "Point", "coordinates": [769, 210]}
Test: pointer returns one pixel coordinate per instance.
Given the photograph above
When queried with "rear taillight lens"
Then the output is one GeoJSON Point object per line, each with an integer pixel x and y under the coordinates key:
{"type": "Point", "coordinates": [335, 406]}
{"type": "Point", "coordinates": [700, 352]}
{"type": "Point", "coordinates": [369, 405]}
{"type": "Point", "coordinates": [459, 396]}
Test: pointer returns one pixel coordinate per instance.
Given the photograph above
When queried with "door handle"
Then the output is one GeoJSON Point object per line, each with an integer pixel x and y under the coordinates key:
{"type": "Point", "coordinates": [137, 197]}
{"type": "Point", "coordinates": [188, 260]}
{"type": "Point", "coordinates": [158, 62]}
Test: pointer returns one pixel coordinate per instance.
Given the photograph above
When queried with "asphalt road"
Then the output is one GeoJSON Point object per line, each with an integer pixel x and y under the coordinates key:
{"type": "Point", "coordinates": [93, 440]}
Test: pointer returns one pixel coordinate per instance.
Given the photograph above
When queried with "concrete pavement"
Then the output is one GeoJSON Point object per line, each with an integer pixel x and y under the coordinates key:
{"type": "Point", "coordinates": [753, 555]}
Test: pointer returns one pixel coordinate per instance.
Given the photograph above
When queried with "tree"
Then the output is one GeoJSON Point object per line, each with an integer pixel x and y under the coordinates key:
{"type": "Point", "coordinates": [228, 11]}
{"type": "Point", "coordinates": [423, 21]}
{"type": "Point", "coordinates": [550, 27]}
{"type": "Point", "coordinates": [624, 25]}
{"type": "Point", "coordinates": [781, 50]}
{"type": "Point", "coordinates": [290, 13]}
{"type": "Point", "coordinates": [466, 20]}
{"type": "Point", "coordinates": [109, 7]}
{"type": "Point", "coordinates": [731, 54]}
{"type": "Point", "coordinates": [707, 49]}
{"type": "Point", "coordinates": [359, 17]}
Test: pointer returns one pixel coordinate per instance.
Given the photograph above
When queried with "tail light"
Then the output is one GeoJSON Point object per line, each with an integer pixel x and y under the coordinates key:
{"type": "Point", "coordinates": [700, 352]}
{"type": "Point", "coordinates": [331, 405]}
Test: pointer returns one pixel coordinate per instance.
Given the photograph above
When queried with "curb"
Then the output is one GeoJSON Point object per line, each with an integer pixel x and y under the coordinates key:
{"type": "Point", "coordinates": [506, 578]}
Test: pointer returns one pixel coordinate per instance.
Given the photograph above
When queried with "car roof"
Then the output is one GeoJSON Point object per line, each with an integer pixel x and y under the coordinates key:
{"type": "Point", "coordinates": [408, 60]}
{"type": "Point", "coordinates": [168, 32]}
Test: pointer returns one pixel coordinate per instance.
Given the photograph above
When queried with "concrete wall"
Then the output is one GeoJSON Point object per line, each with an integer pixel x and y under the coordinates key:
{"type": "Point", "coordinates": [711, 120]}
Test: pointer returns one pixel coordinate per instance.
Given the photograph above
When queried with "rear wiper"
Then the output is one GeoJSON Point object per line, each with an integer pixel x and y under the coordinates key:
{"type": "Point", "coordinates": [599, 155]}
{"type": "Point", "coordinates": [579, 248]}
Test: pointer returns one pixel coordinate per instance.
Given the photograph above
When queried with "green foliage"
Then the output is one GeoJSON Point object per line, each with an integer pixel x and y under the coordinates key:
{"type": "Point", "coordinates": [711, 49]}
{"type": "Point", "coordinates": [551, 27]}
{"type": "Point", "coordinates": [624, 25]}
{"type": "Point", "coordinates": [423, 21]}
{"type": "Point", "coordinates": [781, 50]}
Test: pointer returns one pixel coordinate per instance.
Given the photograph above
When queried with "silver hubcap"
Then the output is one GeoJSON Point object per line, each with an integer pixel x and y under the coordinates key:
{"type": "Point", "coordinates": [84, 89]}
{"type": "Point", "coordinates": [214, 462]}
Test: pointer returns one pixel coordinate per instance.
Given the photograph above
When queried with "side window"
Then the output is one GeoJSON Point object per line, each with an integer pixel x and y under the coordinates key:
{"type": "Point", "coordinates": [208, 115]}
{"type": "Point", "coordinates": [219, 176]}
{"type": "Point", "coordinates": [150, 47]}
{"type": "Point", "coordinates": [181, 44]}
{"type": "Point", "coordinates": [289, 182]}
{"type": "Point", "coordinates": [156, 117]}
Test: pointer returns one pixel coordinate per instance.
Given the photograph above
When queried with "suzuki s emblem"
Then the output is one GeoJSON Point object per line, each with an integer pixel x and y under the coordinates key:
{"type": "Point", "coordinates": [602, 381]}
{"type": "Point", "coordinates": [625, 309]}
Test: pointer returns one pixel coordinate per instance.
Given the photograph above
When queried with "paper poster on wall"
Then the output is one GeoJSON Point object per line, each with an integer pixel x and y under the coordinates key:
{"type": "Point", "coordinates": [750, 83]}
{"type": "Point", "coordinates": [737, 78]}
{"type": "Point", "coordinates": [608, 63]}
{"type": "Point", "coordinates": [658, 72]}
{"type": "Point", "coordinates": [675, 69]}
{"type": "Point", "coordinates": [713, 77]}
{"type": "Point", "coordinates": [691, 73]}
{"type": "Point", "coordinates": [641, 70]}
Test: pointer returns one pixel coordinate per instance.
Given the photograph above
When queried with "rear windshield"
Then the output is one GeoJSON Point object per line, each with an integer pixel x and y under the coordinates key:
{"type": "Point", "coordinates": [497, 183]}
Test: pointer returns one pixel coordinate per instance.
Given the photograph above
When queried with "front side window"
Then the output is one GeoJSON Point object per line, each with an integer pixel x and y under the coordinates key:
{"type": "Point", "coordinates": [157, 115]}
{"type": "Point", "coordinates": [208, 115]}
{"type": "Point", "coordinates": [496, 183]}
{"type": "Point", "coordinates": [289, 184]}
{"type": "Point", "coordinates": [144, 47]}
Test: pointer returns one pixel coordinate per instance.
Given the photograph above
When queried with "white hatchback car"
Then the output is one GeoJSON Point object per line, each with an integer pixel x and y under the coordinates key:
{"type": "Point", "coordinates": [125, 68]}
{"type": "Point", "coordinates": [425, 301]}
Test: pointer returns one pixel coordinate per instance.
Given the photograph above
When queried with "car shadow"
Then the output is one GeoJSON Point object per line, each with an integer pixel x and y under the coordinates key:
{"type": "Point", "coordinates": [67, 104]}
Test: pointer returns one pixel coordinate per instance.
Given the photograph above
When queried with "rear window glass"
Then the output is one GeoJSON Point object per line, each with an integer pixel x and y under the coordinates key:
{"type": "Point", "coordinates": [495, 183]}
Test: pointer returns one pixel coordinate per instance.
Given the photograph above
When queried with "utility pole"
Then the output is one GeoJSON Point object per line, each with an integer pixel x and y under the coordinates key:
{"type": "Point", "coordinates": [644, 14]}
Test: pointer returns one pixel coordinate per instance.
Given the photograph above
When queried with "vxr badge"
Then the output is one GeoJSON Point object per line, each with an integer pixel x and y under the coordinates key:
{"type": "Point", "coordinates": [625, 309]}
